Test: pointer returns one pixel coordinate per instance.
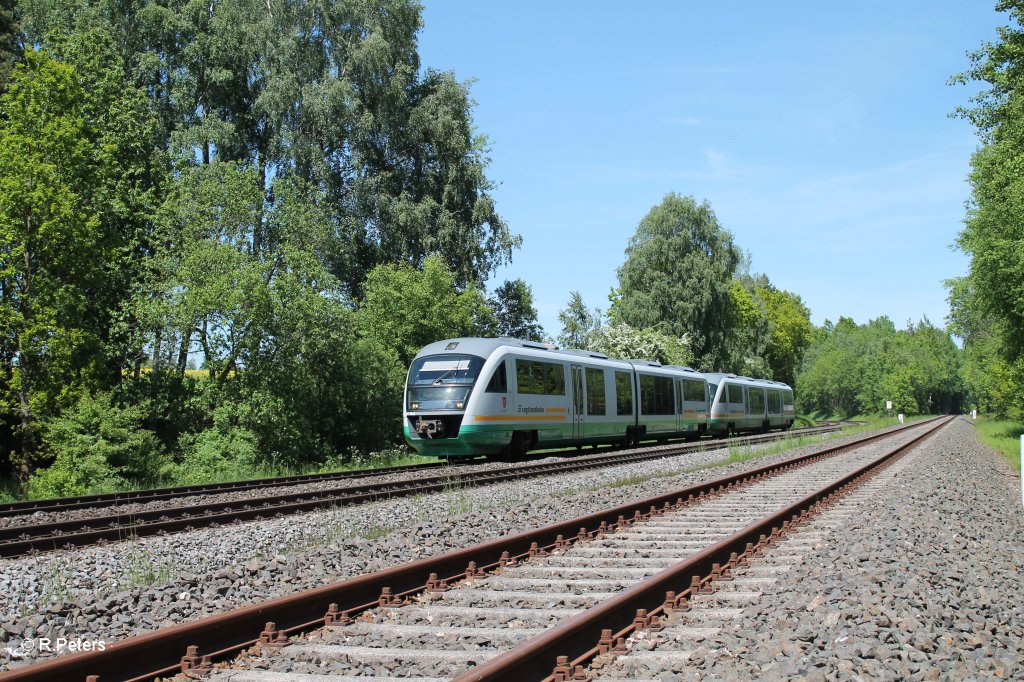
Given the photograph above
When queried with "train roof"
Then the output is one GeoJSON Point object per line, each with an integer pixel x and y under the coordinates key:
{"type": "Point", "coordinates": [482, 347]}
{"type": "Point", "coordinates": [485, 347]}
{"type": "Point", "coordinates": [718, 377]}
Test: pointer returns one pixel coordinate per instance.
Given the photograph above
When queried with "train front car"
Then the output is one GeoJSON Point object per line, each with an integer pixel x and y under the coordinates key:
{"type": "Point", "coordinates": [466, 397]}
{"type": "Point", "coordinates": [441, 385]}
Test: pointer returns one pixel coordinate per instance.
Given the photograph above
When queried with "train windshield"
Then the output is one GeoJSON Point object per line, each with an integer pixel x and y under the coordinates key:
{"type": "Point", "coordinates": [442, 382]}
{"type": "Point", "coordinates": [443, 370]}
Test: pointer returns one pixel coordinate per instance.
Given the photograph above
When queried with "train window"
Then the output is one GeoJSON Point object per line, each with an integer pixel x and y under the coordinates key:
{"type": "Point", "coordinates": [756, 400]}
{"type": "Point", "coordinates": [623, 393]}
{"type": "Point", "coordinates": [774, 402]}
{"type": "Point", "coordinates": [788, 397]}
{"type": "Point", "coordinates": [595, 392]}
{"type": "Point", "coordinates": [540, 378]}
{"type": "Point", "coordinates": [735, 393]}
{"type": "Point", "coordinates": [693, 391]}
{"type": "Point", "coordinates": [656, 395]}
{"type": "Point", "coordinates": [499, 380]}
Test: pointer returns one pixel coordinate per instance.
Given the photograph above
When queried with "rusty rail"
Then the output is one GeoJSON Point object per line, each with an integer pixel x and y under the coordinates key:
{"type": "Point", "coordinates": [175, 649]}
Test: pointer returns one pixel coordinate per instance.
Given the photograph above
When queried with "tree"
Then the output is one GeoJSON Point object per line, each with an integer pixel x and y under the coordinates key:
{"type": "Point", "coordinates": [749, 330]}
{"type": "Point", "coordinates": [49, 250]}
{"type": "Point", "coordinates": [578, 323]}
{"type": "Point", "coordinates": [334, 96]}
{"type": "Point", "coordinates": [516, 317]}
{"type": "Point", "coordinates": [853, 369]}
{"type": "Point", "coordinates": [625, 342]}
{"type": "Point", "coordinates": [405, 309]}
{"type": "Point", "coordinates": [790, 335]}
{"type": "Point", "coordinates": [677, 277]}
{"type": "Point", "coordinates": [993, 236]}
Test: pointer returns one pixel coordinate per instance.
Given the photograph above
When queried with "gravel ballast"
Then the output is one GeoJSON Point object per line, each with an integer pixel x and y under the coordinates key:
{"type": "Point", "coordinates": [922, 580]}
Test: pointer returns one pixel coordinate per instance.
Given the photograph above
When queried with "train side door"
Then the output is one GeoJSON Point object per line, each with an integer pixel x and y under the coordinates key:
{"type": "Point", "coordinates": [579, 408]}
{"type": "Point", "coordinates": [679, 404]}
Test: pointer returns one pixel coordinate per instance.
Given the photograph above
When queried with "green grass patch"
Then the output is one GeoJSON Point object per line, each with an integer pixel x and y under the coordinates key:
{"type": "Point", "coordinates": [873, 422]}
{"type": "Point", "coordinates": [1003, 436]}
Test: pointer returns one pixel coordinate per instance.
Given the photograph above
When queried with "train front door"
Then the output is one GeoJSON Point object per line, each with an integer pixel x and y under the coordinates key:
{"type": "Point", "coordinates": [579, 407]}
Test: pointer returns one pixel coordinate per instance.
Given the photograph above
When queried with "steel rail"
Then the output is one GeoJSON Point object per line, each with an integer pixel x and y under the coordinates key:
{"type": "Point", "coordinates": [176, 649]}
{"type": "Point", "coordinates": [161, 494]}
{"type": "Point", "coordinates": [23, 539]}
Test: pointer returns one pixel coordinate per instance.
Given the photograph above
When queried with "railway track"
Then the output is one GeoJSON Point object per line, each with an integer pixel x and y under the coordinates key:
{"type": "Point", "coordinates": [137, 497]}
{"type": "Point", "coordinates": [37, 535]}
{"type": "Point", "coordinates": [536, 605]}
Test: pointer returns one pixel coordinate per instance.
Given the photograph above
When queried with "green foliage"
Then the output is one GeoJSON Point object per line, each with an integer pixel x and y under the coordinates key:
{"type": "Point", "coordinates": [98, 445]}
{"type": "Point", "coordinates": [10, 48]}
{"type": "Point", "coordinates": [987, 306]}
{"type": "Point", "coordinates": [790, 334]}
{"type": "Point", "coordinates": [225, 451]}
{"type": "Point", "coordinates": [622, 341]}
{"type": "Point", "coordinates": [404, 309]}
{"type": "Point", "coordinates": [579, 325]}
{"type": "Point", "coordinates": [514, 313]}
{"type": "Point", "coordinates": [189, 183]}
{"type": "Point", "coordinates": [749, 330]}
{"type": "Point", "coordinates": [49, 260]}
{"type": "Point", "coordinates": [852, 369]}
{"type": "Point", "coordinates": [677, 277]}
{"type": "Point", "coordinates": [334, 96]}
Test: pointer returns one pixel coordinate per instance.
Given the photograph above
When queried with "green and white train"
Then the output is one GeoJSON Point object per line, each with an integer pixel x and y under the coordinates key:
{"type": "Point", "coordinates": [475, 396]}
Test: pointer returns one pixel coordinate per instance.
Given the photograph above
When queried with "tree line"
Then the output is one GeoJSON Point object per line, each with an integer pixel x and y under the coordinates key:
{"type": "Point", "coordinates": [226, 228]}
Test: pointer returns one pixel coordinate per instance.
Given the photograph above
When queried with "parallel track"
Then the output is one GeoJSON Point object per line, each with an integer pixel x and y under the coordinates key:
{"type": "Point", "coordinates": [146, 496]}
{"type": "Point", "coordinates": [599, 612]}
{"type": "Point", "coordinates": [35, 536]}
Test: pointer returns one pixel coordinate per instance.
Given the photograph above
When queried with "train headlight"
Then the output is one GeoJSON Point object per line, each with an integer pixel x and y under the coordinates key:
{"type": "Point", "coordinates": [414, 406]}
{"type": "Point", "coordinates": [459, 405]}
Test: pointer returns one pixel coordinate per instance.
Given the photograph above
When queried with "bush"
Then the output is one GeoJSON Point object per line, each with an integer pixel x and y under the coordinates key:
{"type": "Point", "coordinates": [226, 451]}
{"type": "Point", "coordinates": [98, 445]}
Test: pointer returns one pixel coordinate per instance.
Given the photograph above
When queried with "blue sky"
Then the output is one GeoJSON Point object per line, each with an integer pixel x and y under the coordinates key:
{"type": "Point", "coordinates": [818, 132]}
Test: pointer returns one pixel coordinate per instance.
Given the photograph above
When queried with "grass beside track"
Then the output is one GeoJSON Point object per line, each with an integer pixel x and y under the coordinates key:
{"type": "Point", "coordinates": [1003, 436]}
{"type": "Point", "coordinates": [11, 492]}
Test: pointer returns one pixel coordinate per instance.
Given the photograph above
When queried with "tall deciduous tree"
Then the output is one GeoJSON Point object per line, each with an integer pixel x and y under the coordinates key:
{"type": "Point", "coordinates": [678, 275]}
{"type": "Point", "coordinates": [790, 333]}
{"type": "Point", "coordinates": [331, 93]}
{"type": "Point", "coordinates": [49, 248]}
{"type": "Point", "coordinates": [578, 322]}
{"type": "Point", "coordinates": [514, 312]}
{"type": "Point", "coordinates": [993, 235]}
{"type": "Point", "coordinates": [405, 308]}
